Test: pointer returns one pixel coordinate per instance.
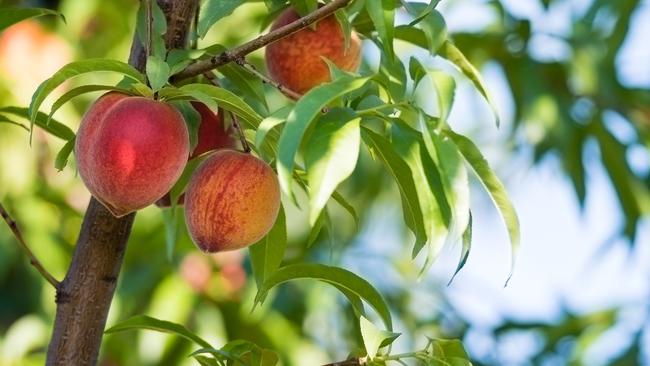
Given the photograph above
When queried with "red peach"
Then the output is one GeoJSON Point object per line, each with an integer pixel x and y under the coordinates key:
{"type": "Point", "coordinates": [296, 60]}
{"type": "Point", "coordinates": [130, 151]}
{"type": "Point", "coordinates": [231, 201]}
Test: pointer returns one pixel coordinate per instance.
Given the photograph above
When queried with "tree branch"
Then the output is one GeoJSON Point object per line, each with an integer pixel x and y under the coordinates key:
{"type": "Point", "coordinates": [265, 79]}
{"type": "Point", "coordinates": [84, 297]}
{"type": "Point", "coordinates": [228, 56]}
{"type": "Point", "coordinates": [32, 258]}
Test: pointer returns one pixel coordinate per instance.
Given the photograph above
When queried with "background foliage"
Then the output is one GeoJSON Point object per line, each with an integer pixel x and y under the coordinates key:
{"type": "Point", "coordinates": [572, 105]}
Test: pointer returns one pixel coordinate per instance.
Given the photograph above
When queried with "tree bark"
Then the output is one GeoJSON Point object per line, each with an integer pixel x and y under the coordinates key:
{"type": "Point", "coordinates": [84, 296]}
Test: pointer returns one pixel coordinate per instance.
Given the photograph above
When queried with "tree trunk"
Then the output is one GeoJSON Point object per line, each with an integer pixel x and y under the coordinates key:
{"type": "Point", "coordinates": [84, 296]}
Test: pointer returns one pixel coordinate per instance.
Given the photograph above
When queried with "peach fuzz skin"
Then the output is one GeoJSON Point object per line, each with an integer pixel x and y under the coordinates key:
{"type": "Point", "coordinates": [213, 135]}
{"type": "Point", "coordinates": [130, 151]}
{"type": "Point", "coordinates": [296, 60]}
{"type": "Point", "coordinates": [231, 201]}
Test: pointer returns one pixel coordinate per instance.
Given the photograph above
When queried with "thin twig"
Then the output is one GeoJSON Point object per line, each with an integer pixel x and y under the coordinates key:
{"type": "Point", "coordinates": [32, 258]}
{"type": "Point", "coordinates": [265, 79]}
{"type": "Point", "coordinates": [236, 53]}
{"type": "Point", "coordinates": [240, 130]}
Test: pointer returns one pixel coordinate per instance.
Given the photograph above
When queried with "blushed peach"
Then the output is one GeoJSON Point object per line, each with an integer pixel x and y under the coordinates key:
{"type": "Point", "coordinates": [130, 151]}
{"type": "Point", "coordinates": [231, 201]}
{"type": "Point", "coordinates": [296, 60]}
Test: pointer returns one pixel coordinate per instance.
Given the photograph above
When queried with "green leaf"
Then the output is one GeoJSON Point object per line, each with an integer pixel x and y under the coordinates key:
{"type": "Point", "coordinates": [392, 76]}
{"type": "Point", "coordinates": [158, 72]}
{"type": "Point", "coordinates": [445, 86]}
{"type": "Point", "coordinates": [383, 18]}
{"type": "Point", "coordinates": [180, 185]}
{"type": "Point", "coordinates": [435, 29]}
{"type": "Point", "coordinates": [145, 322]}
{"type": "Point", "coordinates": [303, 114]}
{"type": "Point", "coordinates": [336, 276]}
{"type": "Point", "coordinates": [374, 338]}
{"type": "Point", "coordinates": [206, 361]}
{"type": "Point", "coordinates": [62, 157]}
{"type": "Point", "coordinates": [53, 127]}
{"type": "Point", "coordinates": [450, 52]}
{"type": "Point", "coordinates": [225, 99]}
{"type": "Point", "coordinates": [192, 119]}
{"type": "Point", "coordinates": [331, 156]}
{"type": "Point", "coordinates": [448, 348]}
{"type": "Point", "coordinates": [275, 119]}
{"type": "Point", "coordinates": [4, 119]}
{"type": "Point", "coordinates": [267, 254]}
{"type": "Point", "coordinates": [453, 180]}
{"type": "Point", "coordinates": [11, 16]}
{"type": "Point", "coordinates": [214, 10]}
{"type": "Point", "coordinates": [347, 206]}
{"type": "Point", "coordinates": [171, 222]}
{"type": "Point", "coordinates": [158, 28]}
{"type": "Point", "coordinates": [403, 176]}
{"type": "Point", "coordinates": [420, 10]}
{"type": "Point", "coordinates": [494, 188]}
{"type": "Point", "coordinates": [467, 245]}
{"type": "Point", "coordinates": [75, 92]}
{"type": "Point", "coordinates": [74, 69]}
{"type": "Point", "coordinates": [410, 146]}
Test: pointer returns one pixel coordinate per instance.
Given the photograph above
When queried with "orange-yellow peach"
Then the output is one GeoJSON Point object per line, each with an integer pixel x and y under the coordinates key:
{"type": "Point", "coordinates": [296, 61]}
{"type": "Point", "coordinates": [231, 201]}
{"type": "Point", "coordinates": [130, 151]}
{"type": "Point", "coordinates": [213, 135]}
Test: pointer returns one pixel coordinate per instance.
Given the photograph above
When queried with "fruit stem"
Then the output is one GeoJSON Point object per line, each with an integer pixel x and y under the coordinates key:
{"type": "Point", "coordinates": [265, 79]}
{"type": "Point", "coordinates": [240, 130]}
{"type": "Point", "coordinates": [32, 258]}
{"type": "Point", "coordinates": [236, 53]}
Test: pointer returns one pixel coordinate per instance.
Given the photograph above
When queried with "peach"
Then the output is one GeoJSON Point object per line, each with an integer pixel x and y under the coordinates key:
{"type": "Point", "coordinates": [130, 151]}
{"type": "Point", "coordinates": [296, 60]}
{"type": "Point", "coordinates": [231, 201]}
{"type": "Point", "coordinates": [213, 135]}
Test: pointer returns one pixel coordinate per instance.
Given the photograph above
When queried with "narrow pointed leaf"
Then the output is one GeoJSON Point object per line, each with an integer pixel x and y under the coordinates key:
{"type": "Point", "coordinates": [336, 276]}
{"type": "Point", "coordinates": [267, 254]}
{"type": "Point", "coordinates": [330, 157]}
{"type": "Point", "coordinates": [450, 52]}
{"type": "Point", "coordinates": [494, 188]}
{"type": "Point", "coordinates": [403, 176]}
{"type": "Point", "coordinates": [145, 322]}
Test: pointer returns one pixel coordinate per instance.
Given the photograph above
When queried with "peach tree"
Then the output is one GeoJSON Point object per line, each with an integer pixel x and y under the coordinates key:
{"type": "Point", "coordinates": [166, 134]}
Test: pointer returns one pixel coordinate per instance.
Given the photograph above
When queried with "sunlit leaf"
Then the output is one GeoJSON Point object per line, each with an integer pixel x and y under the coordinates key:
{"type": "Point", "coordinates": [74, 69]}
{"type": "Point", "coordinates": [333, 275]}
{"type": "Point", "coordinates": [453, 54]}
{"type": "Point", "coordinates": [402, 174]}
{"type": "Point", "coordinates": [303, 114]}
{"type": "Point", "coordinates": [214, 10]}
{"type": "Point", "coordinates": [494, 188]}
{"type": "Point", "coordinates": [374, 338]}
{"type": "Point", "coordinates": [267, 254]}
{"type": "Point", "coordinates": [331, 156]}
{"type": "Point", "coordinates": [140, 322]}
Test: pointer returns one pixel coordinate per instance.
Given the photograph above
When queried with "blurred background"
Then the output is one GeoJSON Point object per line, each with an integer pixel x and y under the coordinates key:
{"type": "Point", "coordinates": [571, 79]}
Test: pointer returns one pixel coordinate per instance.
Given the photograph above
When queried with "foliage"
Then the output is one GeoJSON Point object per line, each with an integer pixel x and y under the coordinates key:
{"type": "Point", "coordinates": [336, 150]}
